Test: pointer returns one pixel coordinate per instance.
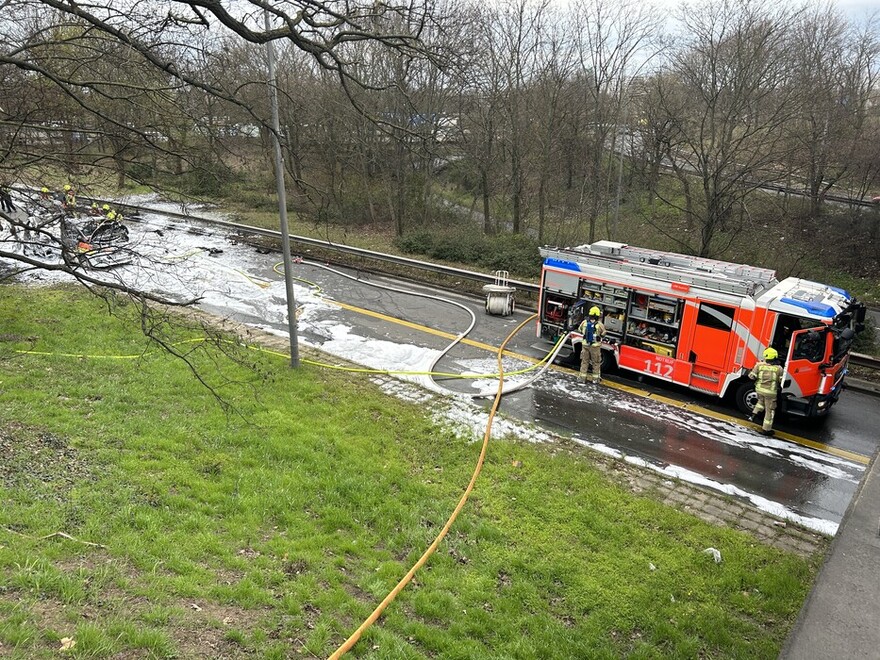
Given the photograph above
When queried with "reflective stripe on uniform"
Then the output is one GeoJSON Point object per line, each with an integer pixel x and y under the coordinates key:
{"type": "Point", "coordinates": [767, 377]}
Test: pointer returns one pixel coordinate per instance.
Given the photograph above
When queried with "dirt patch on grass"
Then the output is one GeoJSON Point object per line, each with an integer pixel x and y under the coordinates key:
{"type": "Point", "coordinates": [204, 629]}
{"type": "Point", "coordinates": [42, 463]}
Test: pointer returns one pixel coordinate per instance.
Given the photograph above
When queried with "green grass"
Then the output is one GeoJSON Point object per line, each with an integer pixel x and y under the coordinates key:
{"type": "Point", "coordinates": [273, 532]}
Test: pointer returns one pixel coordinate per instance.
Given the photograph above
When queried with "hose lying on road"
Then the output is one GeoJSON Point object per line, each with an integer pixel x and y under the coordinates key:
{"type": "Point", "coordinates": [546, 361]}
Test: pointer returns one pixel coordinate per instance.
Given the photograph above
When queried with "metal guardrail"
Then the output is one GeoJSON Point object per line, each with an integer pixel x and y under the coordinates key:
{"type": "Point", "coordinates": [346, 249]}
{"type": "Point", "coordinates": [859, 385]}
{"type": "Point", "coordinates": [770, 186]}
{"type": "Point", "coordinates": [860, 360]}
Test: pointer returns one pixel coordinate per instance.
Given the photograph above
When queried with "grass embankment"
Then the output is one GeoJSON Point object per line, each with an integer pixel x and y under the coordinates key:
{"type": "Point", "coordinates": [276, 533]}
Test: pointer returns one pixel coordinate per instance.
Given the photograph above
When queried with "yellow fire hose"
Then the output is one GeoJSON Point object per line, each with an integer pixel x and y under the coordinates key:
{"type": "Point", "coordinates": [370, 620]}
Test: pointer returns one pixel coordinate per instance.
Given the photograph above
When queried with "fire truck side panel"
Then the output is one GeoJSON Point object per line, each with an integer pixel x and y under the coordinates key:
{"type": "Point", "coordinates": [712, 345]}
{"type": "Point", "coordinates": [561, 282]}
{"type": "Point", "coordinates": [654, 364]}
{"type": "Point", "coordinates": [763, 326]}
{"type": "Point", "coordinates": [558, 293]}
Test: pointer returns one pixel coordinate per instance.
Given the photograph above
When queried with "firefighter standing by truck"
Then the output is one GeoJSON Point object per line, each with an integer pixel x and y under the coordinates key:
{"type": "Point", "coordinates": [593, 332]}
{"type": "Point", "coordinates": [767, 375]}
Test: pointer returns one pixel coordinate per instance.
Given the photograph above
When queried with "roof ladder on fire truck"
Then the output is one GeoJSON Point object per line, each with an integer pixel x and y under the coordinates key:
{"type": "Point", "coordinates": [668, 266]}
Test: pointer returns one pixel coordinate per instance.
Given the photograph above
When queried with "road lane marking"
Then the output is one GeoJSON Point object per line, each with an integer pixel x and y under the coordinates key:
{"type": "Point", "coordinates": [683, 405]}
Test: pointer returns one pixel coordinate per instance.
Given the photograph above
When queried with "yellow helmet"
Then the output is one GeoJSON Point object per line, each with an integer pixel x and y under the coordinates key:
{"type": "Point", "coordinates": [595, 311]}
{"type": "Point", "coordinates": [67, 187]}
{"type": "Point", "coordinates": [770, 353]}
{"type": "Point", "coordinates": [44, 190]}
{"type": "Point", "coordinates": [106, 207]}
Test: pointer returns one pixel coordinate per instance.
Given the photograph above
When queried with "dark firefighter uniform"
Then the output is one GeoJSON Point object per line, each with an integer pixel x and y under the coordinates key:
{"type": "Point", "coordinates": [593, 331]}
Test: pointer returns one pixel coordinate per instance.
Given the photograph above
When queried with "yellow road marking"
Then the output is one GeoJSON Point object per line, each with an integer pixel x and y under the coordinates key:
{"type": "Point", "coordinates": [818, 446]}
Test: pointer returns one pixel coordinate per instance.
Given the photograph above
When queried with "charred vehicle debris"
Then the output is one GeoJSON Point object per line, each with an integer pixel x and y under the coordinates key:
{"type": "Point", "coordinates": [56, 227]}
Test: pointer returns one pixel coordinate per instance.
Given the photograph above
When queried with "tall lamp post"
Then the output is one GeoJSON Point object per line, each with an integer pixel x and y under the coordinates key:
{"type": "Point", "coordinates": [625, 112]}
{"type": "Point", "coordinates": [282, 201]}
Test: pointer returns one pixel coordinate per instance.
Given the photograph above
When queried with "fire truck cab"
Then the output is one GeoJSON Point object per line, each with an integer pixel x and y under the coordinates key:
{"type": "Point", "coordinates": [702, 323]}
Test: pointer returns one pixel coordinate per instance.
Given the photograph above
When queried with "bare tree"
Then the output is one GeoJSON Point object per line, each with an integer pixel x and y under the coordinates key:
{"type": "Point", "coordinates": [479, 86]}
{"type": "Point", "coordinates": [614, 43]}
{"type": "Point", "coordinates": [125, 78]}
{"type": "Point", "coordinates": [549, 97]}
{"type": "Point", "coordinates": [835, 71]}
{"type": "Point", "coordinates": [725, 98]}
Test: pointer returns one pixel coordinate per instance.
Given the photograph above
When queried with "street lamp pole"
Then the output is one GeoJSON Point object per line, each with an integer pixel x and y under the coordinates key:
{"type": "Point", "coordinates": [621, 147]}
{"type": "Point", "coordinates": [282, 201]}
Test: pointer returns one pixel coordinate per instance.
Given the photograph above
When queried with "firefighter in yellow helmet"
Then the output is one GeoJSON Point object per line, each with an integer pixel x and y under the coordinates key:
{"type": "Point", "coordinates": [69, 196]}
{"type": "Point", "coordinates": [593, 332]}
{"type": "Point", "coordinates": [767, 375]}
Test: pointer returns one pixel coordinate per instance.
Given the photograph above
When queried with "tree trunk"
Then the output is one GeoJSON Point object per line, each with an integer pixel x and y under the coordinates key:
{"type": "Point", "coordinates": [488, 228]}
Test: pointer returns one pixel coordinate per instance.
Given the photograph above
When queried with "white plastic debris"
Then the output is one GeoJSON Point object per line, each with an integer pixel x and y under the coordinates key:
{"type": "Point", "coordinates": [716, 555]}
{"type": "Point", "coordinates": [651, 566]}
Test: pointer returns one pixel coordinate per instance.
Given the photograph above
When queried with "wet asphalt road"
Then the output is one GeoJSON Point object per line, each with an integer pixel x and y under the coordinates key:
{"type": "Point", "coordinates": [730, 456]}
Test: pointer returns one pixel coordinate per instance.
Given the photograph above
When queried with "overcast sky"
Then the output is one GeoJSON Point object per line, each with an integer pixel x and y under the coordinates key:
{"type": "Point", "coordinates": [854, 9]}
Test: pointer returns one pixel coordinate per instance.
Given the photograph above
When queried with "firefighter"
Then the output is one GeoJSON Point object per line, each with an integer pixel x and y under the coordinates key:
{"type": "Point", "coordinates": [593, 331]}
{"type": "Point", "coordinates": [6, 200]}
{"type": "Point", "coordinates": [69, 196]}
{"type": "Point", "coordinates": [767, 375]}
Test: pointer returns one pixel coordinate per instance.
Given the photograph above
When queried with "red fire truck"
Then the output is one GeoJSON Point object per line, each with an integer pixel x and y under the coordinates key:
{"type": "Point", "coordinates": [702, 323]}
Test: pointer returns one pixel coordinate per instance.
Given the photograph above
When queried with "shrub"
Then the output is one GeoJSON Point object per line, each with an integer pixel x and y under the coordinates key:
{"type": "Point", "coordinates": [516, 254]}
{"type": "Point", "coordinates": [420, 241]}
{"type": "Point", "coordinates": [206, 178]}
{"type": "Point", "coordinates": [140, 172]}
{"type": "Point", "coordinates": [512, 252]}
{"type": "Point", "coordinates": [463, 248]}
{"type": "Point", "coordinates": [866, 341]}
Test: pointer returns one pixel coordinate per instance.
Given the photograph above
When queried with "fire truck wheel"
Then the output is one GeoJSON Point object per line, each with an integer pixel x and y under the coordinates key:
{"type": "Point", "coordinates": [746, 398]}
{"type": "Point", "coordinates": [575, 357]}
{"type": "Point", "coordinates": [609, 366]}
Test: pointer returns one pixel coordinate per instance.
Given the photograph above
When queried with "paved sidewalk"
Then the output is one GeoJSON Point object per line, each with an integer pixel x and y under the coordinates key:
{"type": "Point", "coordinates": [841, 617]}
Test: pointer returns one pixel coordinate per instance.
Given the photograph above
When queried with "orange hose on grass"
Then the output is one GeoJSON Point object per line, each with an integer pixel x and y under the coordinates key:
{"type": "Point", "coordinates": [370, 620]}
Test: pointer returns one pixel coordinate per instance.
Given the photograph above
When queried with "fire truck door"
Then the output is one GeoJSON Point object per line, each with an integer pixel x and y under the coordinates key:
{"type": "Point", "coordinates": [712, 336]}
{"type": "Point", "coordinates": [808, 349]}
